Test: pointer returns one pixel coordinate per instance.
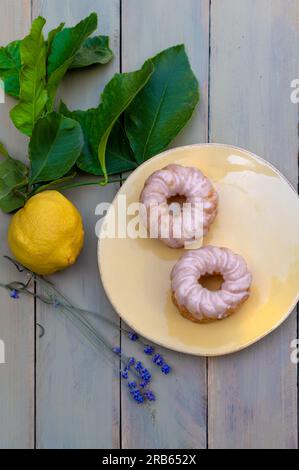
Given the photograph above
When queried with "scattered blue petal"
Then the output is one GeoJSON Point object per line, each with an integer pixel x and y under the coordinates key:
{"type": "Point", "coordinates": [124, 374]}
{"type": "Point", "coordinates": [146, 376]}
{"type": "Point", "coordinates": [149, 350]}
{"type": "Point", "coordinates": [137, 396]}
{"type": "Point", "coordinates": [132, 385]}
{"type": "Point", "coordinates": [143, 385]}
{"type": "Point", "coordinates": [14, 294]}
{"type": "Point", "coordinates": [133, 336]}
{"type": "Point", "coordinates": [117, 350]}
{"type": "Point", "coordinates": [150, 395]}
{"type": "Point", "coordinates": [139, 366]}
{"type": "Point", "coordinates": [158, 360]}
{"type": "Point", "coordinates": [166, 369]}
{"type": "Point", "coordinates": [131, 361]}
{"type": "Point", "coordinates": [56, 303]}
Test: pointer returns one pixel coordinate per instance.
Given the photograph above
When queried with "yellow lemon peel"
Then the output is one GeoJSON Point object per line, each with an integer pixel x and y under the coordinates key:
{"type": "Point", "coordinates": [47, 234]}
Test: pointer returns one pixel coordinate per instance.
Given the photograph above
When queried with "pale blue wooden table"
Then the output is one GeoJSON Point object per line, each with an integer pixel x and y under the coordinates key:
{"type": "Point", "coordinates": [57, 391]}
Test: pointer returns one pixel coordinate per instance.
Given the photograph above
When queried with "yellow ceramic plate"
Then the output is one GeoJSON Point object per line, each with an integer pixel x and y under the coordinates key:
{"type": "Point", "coordinates": [258, 218]}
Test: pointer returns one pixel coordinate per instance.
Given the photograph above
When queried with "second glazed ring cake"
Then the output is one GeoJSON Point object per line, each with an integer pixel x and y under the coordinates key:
{"type": "Point", "coordinates": [199, 304]}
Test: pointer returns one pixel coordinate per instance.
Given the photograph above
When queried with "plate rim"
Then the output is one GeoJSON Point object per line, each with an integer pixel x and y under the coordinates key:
{"type": "Point", "coordinates": [181, 349]}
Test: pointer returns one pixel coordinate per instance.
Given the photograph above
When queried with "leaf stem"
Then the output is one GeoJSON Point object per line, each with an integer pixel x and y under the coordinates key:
{"type": "Point", "coordinates": [19, 193]}
{"type": "Point", "coordinates": [88, 183]}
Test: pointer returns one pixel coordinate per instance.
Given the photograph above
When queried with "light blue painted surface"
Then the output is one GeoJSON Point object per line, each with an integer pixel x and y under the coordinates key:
{"type": "Point", "coordinates": [254, 58]}
{"type": "Point", "coordinates": [77, 391]}
{"type": "Point", "coordinates": [16, 320]}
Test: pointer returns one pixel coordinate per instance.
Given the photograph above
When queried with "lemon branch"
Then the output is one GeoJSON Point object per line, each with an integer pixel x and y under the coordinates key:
{"type": "Point", "coordinates": [76, 185]}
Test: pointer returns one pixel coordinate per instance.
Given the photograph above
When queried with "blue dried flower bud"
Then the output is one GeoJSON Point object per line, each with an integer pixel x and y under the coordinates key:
{"type": "Point", "coordinates": [149, 350]}
{"type": "Point", "coordinates": [133, 336]}
{"type": "Point", "coordinates": [166, 369]}
{"type": "Point", "coordinates": [56, 303]}
{"type": "Point", "coordinates": [14, 294]}
{"type": "Point", "coordinates": [150, 395]}
{"type": "Point", "coordinates": [139, 366]}
{"type": "Point", "coordinates": [158, 360]}
{"type": "Point", "coordinates": [132, 385]}
{"type": "Point", "coordinates": [143, 384]}
{"type": "Point", "coordinates": [146, 376]}
{"type": "Point", "coordinates": [139, 399]}
{"type": "Point", "coordinates": [117, 350]}
{"type": "Point", "coordinates": [124, 374]}
{"type": "Point", "coordinates": [137, 396]}
{"type": "Point", "coordinates": [131, 361]}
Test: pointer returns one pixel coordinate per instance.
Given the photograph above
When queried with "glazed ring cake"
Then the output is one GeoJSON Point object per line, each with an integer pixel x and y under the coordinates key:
{"type": "Point", "coordinates": [200, 304]}
{"type": "Point", "coordinates": [199, 195]}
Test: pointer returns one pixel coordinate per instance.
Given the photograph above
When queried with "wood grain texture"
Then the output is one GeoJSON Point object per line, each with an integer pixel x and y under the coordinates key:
{"type": "Point", "coordinates": [178, 419]}
{"type": "Point", "coordinates": [16, 318]}
{"type": "Point", "coordinates": [77, 390]}
{"type": "Point", "coordinates": [252, 395]}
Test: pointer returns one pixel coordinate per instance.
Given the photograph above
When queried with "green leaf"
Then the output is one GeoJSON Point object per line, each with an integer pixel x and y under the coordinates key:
{"type": "Point", "coordinates": [117, 96]}
{"type": "Point", "coordinates": [84, 118]}
{"type": "Point", "coordinates": [3, 150]}
{"type": "Point", "coordinates": [33, 95]}
{"type": "Point", "coordinates": [55, 145]}
{"type": "Point", "coordinates": [64, 48]}
{"type": "Point", "coordinates": [93, 51]}
{"type": "Point", "coordinates": [13, 182]}
{"type": "Point", "coordinates": [119, 155]}
{"type": "Point", "coordinates": [51, 36]}
{"type": "Point", "coordinates": [10, 66]}
{"type": "Point", "coordinates": [164, 106]}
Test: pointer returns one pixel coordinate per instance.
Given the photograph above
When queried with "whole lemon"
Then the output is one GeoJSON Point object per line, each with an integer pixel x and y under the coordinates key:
{"type": "Point", "coordinates": [47, 234]}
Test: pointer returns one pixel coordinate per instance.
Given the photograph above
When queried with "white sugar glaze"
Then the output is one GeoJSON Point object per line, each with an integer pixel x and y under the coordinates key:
{"type": "Point", "coordinates": [177, 180]}
{"type": "Point", "coordinates": [200, 302]}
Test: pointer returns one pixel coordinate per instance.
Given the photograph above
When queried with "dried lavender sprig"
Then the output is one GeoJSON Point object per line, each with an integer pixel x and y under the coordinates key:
{"type": "Point", "coordinates": [65, 304]}
{"type": "Point", "coordinates": [59, 300]}
{"type": "Point", "coordinates": [76, 313]}
{"type": "Point", "coordinates": [49, 284]}
{"type": "Point", "coordinates": [87, 329]}
{"type": "Point", "coordinates": [23, 289]}
{"type": "Point", "coordinates": [94, 339]}
{"type": "Point", "coordinates": [165, 368]}
{"type": "Point", "coordinates": [129, 333]}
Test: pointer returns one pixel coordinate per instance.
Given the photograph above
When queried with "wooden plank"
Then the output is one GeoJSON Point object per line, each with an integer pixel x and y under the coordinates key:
{"type": "Point", "coordinates": [77, 390]}
{"type": "Point", "coordinates": [252, 395]}
{"type": "Point", "coordinates": [178, 419]}
{"type": "Point", "coordinates": [16, 317]}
